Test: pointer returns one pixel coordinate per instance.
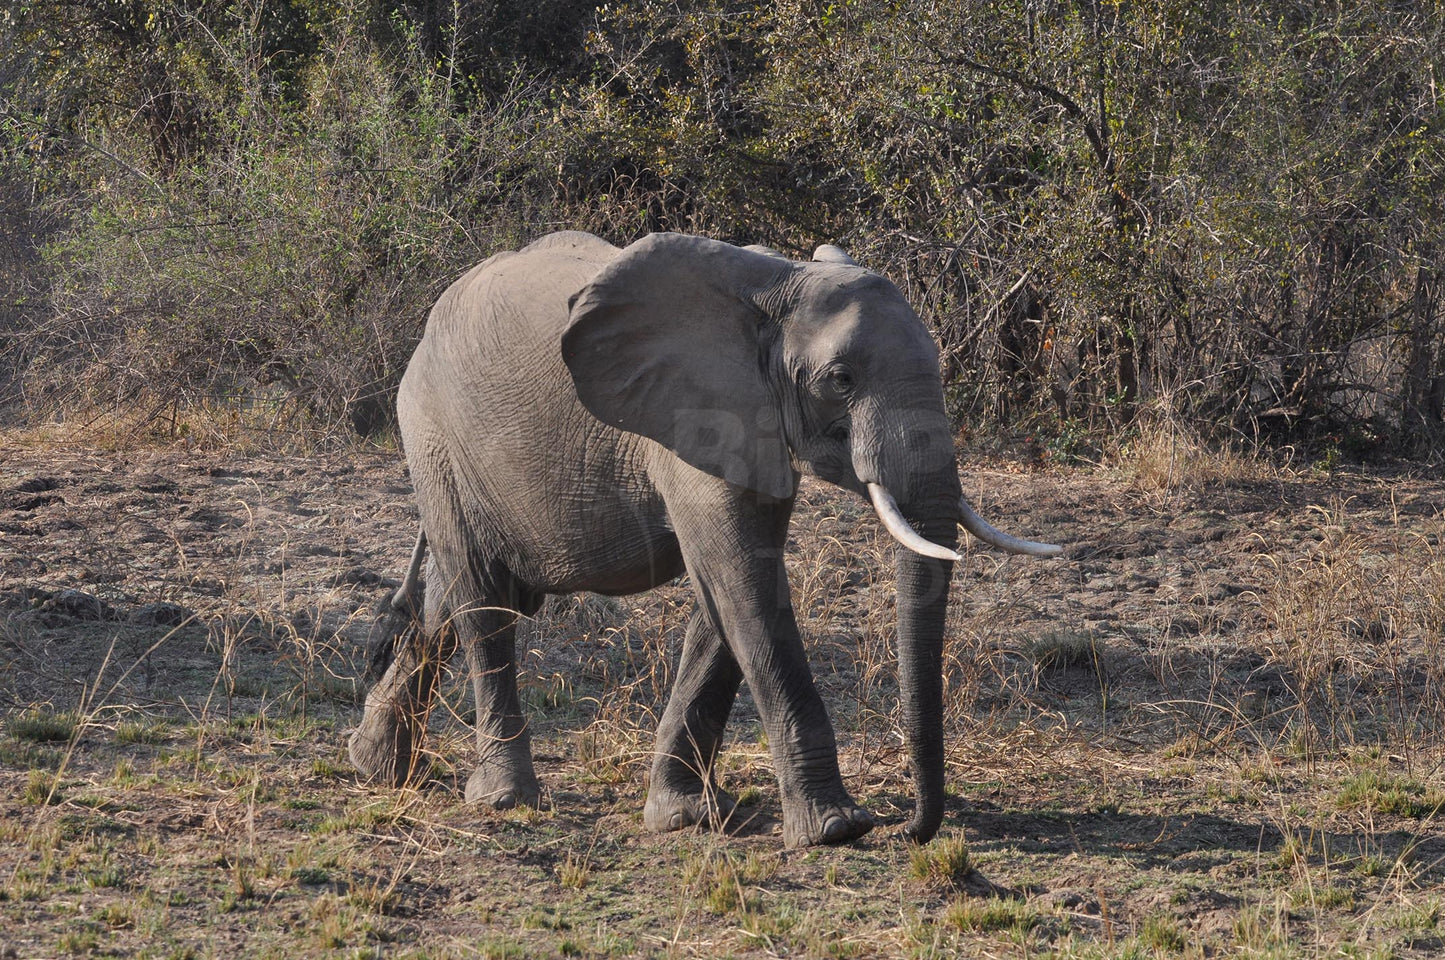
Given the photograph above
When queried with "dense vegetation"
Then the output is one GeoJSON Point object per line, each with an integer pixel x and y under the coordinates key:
{"type": "Point", "coordinates": [1224, 216]}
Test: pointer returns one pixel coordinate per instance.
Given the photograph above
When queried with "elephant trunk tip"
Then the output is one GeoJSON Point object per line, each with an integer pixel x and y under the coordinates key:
{"type": "Point", "coordinates": [923, 827]}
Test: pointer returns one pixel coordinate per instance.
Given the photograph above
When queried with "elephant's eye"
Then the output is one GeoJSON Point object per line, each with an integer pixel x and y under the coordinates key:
{"type": "Point", "coordinates": [841, 379]}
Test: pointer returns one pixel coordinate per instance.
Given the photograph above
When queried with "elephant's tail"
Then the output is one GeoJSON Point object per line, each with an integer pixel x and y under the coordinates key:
{"type": "Point", "coordinates": [398, 614]}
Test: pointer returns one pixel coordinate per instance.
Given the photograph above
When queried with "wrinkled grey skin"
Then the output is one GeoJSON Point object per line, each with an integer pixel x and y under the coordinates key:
{"type": "Point", "coordinates": [583, 418]}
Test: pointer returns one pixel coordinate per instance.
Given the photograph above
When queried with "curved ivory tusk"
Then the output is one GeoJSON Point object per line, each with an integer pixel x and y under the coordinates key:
{"type": "Point", "coordinates": [892, 518]}
{"type": "Point", "coordinates": [981, 528]}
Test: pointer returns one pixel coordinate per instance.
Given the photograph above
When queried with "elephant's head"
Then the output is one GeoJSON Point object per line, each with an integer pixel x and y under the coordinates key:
{"type": "Point", "coordinates": [755, 368]}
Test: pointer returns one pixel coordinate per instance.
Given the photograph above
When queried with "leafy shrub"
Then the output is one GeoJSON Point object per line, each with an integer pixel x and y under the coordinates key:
{"type": "Point", "coordinates": [291, 263]}
{"type": "Point", "coordinates": [1216, 214]}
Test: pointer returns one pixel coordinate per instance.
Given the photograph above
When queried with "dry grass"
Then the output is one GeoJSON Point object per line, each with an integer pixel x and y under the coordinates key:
{"type": "Point", "coordinates": [1142, 772]}
{"type": "Point", "coordinates": [1356, 615]}
{"type": "Point", "coordinates": [1164, 456]}
{"type": "Point", "coordinates": [256, 422]}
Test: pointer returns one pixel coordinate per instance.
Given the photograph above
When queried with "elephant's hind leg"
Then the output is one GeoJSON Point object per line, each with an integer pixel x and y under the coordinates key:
{"type": "Point", "coordinates": [504, 776]}
{"type": "Point", "coordinates": [385, 747]}
{"type": "Point", "coordinates": [683, 790]}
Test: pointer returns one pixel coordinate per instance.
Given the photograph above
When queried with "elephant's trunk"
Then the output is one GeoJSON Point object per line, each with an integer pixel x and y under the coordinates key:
{"type": "Point", "coordinates": [910, 457]}
{"type": "Point", "coordinates": [922, 610]}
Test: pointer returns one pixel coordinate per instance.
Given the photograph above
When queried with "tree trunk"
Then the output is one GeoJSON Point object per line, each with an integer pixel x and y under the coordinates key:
{"type": "Point", "coordinates": [1424, 387]}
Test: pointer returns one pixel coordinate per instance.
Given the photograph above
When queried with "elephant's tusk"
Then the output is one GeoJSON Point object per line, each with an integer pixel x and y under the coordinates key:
{"type": "Point", "coordinates": [892, 518]}
{"type": "Point", "coordinates": [981, 528]}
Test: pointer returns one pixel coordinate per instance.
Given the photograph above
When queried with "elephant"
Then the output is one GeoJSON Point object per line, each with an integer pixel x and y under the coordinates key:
{"type": "Point", "coordinates": [579, 417]}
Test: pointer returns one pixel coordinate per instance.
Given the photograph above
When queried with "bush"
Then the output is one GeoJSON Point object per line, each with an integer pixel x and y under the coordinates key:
{"type": "Point", "coordinates": [291, 262]}
{"type": "Point", "coordinates": [1217, 214]}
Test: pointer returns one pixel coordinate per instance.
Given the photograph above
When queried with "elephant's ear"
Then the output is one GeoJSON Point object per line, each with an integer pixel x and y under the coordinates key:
{"type": "Point", "coordinates": [669, 341]}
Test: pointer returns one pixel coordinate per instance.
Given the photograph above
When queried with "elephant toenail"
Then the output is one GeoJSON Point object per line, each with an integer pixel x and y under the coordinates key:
{"type": "Point", "coordinates": [835, 830]}
{"type": "Point", "coordinates": [677, 821]}
{"type": "Point", "coordinates": [505, 802]}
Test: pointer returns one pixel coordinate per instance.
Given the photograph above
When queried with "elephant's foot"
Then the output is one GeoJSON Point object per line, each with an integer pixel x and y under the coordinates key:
{"type": "Point", "coordinates": [807, 823]}
{"type": "Point", "coordinates": [504, 780]}
{"type": "Point", "coordinates": [383, 747]}
{"type": "Point", "coordinates": [675, 808]}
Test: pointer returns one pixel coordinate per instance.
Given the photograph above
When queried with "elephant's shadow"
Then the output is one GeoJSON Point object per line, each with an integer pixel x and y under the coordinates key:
{"type": "Point", "coordinates": [1186, 842]}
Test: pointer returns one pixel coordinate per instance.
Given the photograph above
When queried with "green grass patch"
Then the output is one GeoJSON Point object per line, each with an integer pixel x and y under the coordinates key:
{"type": "Point", "coordinates": [40, 788]}
{"type": "Point", "coordinates": [990, 915]}
{"type": "Point", "coordinates": [79, 942]}
{"type": "Point", "coordinates": [107, 875]}
{"type": "Point", "coordinates": [727, 883]}
{"type": "Point", "coordinates": [301, 803]}
{"type": "Point", "coordinates": [311, 876]}
{"type": "Point", "coordinates": [141, 732]}
{"type": "Point", "coordinates": [1394, 796]}
{"type": "Point", "coordinates": [39, 725]}
{"type": "Point", "coordinates": [1162, 934]}
{"type": "Point", "coordinates": [327, 770]}
{"type": "Point", "coordinates": [1419, 921]}
{"type": "Point", "coordinates": [1325, 898]}
{"type": "Point", "coordinates": [943, 863]}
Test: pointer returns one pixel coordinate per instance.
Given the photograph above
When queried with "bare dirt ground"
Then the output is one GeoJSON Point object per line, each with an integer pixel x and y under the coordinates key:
{"type": "Point", "coordinates": [1213, 729]}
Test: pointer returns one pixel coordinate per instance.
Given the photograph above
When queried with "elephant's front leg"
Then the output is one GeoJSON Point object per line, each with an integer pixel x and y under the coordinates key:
{"type": "Point", "coordinates": [683, 790]}
{"type": "Point", "coordinates": [817, 808]}
{"type": "Point", "coordinates": [733, 544]}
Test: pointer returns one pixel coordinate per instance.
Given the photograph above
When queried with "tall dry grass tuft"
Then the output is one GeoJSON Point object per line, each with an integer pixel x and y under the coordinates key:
{"type": "Point", "coordinates": [1166, 456]}
{"type": "Point", "coordinates": [236, 424]}
{"type": "Point", "coordinates": [1357, 623]}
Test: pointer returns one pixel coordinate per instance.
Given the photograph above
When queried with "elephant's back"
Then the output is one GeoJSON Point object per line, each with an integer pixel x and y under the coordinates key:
{"type": "Point", "coordinates": [520, 293]}
{"type": "Point", "coordinates": [491, 423]}
{"type": "Point", "coordinates": [498, 328]}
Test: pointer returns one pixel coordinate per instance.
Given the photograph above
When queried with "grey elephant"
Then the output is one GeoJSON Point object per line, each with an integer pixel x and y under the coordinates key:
{"type": "Point", "coordinates": [583, 417]}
